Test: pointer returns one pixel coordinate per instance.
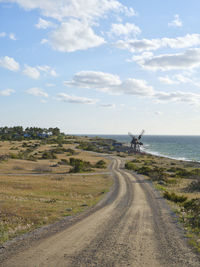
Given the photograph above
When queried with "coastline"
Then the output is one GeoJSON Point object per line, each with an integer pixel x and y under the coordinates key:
{"type": "Point", "coordinates": [154, 153]}
{"type": "Point", "coordinates": [175, 147]}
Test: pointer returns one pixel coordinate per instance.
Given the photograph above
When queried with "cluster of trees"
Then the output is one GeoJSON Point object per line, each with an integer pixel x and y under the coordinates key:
{"type": "Point", "coordinates": [18, 133]}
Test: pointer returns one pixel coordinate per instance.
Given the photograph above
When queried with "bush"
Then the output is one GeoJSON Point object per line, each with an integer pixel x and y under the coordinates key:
{"type": "Point", "coordinates": [136, 161]}
{"type": "Point", "coordinates": [144, 170]}
{"type": "Point", "coordinates": [58, 150]}
{"type": "Point", "coordinates": [173, 197]}
{"type": "Point", "coordinates": [196, 172]}
{"type": "Point", "coordinates": [183, 173]}
{"type": "Point", "coordinates": [20, 155]}
{"type": "Point", "coordinates": [192, 207]}
{"type": "Point", "coordinates": [3, 157]}
{"type": "Point", "coordinates": [131, 166]}
{"type": "Point", "coordinates": [194, 186]}
{"type": "Point", "coordinates": [70, 152]}
{"type": "Point", "coordinates": [63, 162]}
{"type": "Point", "coordinates": [48, 155]}
{"type": "Point", "coordinates": [79, 165]}
{"type": "Point", "coordinates": [100, 164]}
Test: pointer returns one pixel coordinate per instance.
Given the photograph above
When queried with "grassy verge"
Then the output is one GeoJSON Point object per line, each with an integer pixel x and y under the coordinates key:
{"type": "Point", "coordinates": [37, 192]}
{"type": "Point", "coordinates": [179, 183]}
{"type": "Point", "coordinates": [30, 202]}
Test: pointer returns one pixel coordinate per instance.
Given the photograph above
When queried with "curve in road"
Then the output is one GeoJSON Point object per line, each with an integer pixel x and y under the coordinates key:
{"type": "Point", "coordinates": [133, 227]}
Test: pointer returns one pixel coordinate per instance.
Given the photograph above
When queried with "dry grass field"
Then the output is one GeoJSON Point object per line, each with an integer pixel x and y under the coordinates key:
{"type": "Point", "coordinates": [36, 191]}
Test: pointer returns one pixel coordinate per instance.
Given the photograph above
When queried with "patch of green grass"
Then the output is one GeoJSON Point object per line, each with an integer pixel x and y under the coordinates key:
{"type": "Point", "coordinates": [160, 187]}
{"type": "Point", "coordinates": [174, 197]}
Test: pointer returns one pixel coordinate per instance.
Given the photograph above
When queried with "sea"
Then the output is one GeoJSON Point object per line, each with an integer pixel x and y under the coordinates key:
{"type": "Point", "coordinates": [171, 146]}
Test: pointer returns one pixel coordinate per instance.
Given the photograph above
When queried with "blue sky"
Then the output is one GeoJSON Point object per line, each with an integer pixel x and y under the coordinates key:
{"type": "Point", "coordinates": [101, 66]}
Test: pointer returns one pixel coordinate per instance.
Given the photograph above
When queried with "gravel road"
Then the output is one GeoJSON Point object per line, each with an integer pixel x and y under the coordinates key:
{"type": "Point", "coordinates": [132, 226]}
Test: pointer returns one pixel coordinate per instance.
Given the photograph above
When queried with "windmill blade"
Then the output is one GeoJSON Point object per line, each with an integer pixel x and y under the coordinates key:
{"type": "Point", "coordinates": [130, 134]}
{"type": "Point", "coordinates": [140, 136]}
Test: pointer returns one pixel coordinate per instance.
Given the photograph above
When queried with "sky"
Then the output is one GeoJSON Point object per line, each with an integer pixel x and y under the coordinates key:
{"type": "Point", "coordinates": [101, 66]}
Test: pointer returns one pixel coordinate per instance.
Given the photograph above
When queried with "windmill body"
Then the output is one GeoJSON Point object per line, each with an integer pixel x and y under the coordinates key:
{"type": "Point", "coordinates": [135, 142]}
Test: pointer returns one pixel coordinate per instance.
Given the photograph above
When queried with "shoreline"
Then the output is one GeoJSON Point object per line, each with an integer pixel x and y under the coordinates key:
{"type": "Point", "coordinates": [177, 147]}
{"type": "Point", "coordinates": [157, 154]}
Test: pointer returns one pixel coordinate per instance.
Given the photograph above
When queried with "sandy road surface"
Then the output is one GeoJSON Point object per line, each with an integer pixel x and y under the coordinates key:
{"type": "Point", "coordinates": [132, 227]}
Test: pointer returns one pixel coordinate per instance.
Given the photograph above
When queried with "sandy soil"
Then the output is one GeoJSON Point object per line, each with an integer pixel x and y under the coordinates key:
{"type": "Point", "coordinates": [132, 226]}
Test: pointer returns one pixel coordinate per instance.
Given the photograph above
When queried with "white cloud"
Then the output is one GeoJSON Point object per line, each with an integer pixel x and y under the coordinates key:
{"type": "Point", "coordinates": [139, 45]}
{"type": "Point", "coordinates": [7, 92]}
{"type": "Point", "coordinates": [37, 92]}
{"type": "Point", "coordinates": [127, 29]}
{"type": "Point", "coordinates": [187, 60]}
{"type": "Point", "coordinates": [47, 70]}
{"type": "Point", "coordinates": [158, 113]}
{"type": "Point", "coordinates": [9, 63]}
{"type": "Point", "coordinates": [44, 68]}
{"type": "Point", "coordinates": [176, 22]}
{"type": "Point", "coordinates": [179, 79]}
{"type": "Point", "coordinates": [167, 80]}
{"type": "Point", "coordinates": [94, 80]}
{"type": "Point", "coordinates": [49, 84]}
{"type": "Point", "coordinates": [136, 87]}
{"type": "Point", "coordinates": [74, 35]}
{"type": "Point", "coordinates": [12, 36]}
{"type": "Point", "coordinates": [76, 99]}
{"type": "Point", "coordinates": [189, 40]}
{"type": "Point", "coordinates": [105, 105]}
{"type": "Point", "coordinates": [81, 9]}
{"type": "Point", "coordinates": [44, 24]}
{"type": "Point", "coordinates": [135, 45]}
{"type": "Point", "coordinates": [53, 73]}
{"type": "Point", "coordinates": [2, 34]}
{"type": "Point", "coordinates": [35, 72]}
{"type": "Point", "coordinates": [77, 19]}
{"type": "Point", "coordinates": [184, 97]}
{"type": "Point", "coordinates": [31, 72]}
{"type": "Point", "coordinates": [44, 41]}
{"type": "Point", "coordinates": [110, 83]}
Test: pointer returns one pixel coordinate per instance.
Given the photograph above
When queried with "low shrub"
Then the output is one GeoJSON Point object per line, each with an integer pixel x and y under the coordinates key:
{"type": "Point", "coordinates": [173, 197]}
{"type": "Point", "coordinates": [79, 165]}
{"type": "Point", "coordinates": [144, 170]}
{"type": "Point", "coordinates": [100, 164]}
{"type": "Point", "coordinates": [131, 166]}
{"type": "Point", "coordinates": [171, 181]}
{"type": "Point", "coordinates": [48, 155]}
{"type": "Point", "coordinates": [136, 161]}
{"type": "Point", "coordinates": [194, 186]}
{"type": "Point", "coordinates": [63, 162]}
{"type": "Point", "coordinates": [192, 208]}
{"type": "Point", "coordinates": [71, 152]}
{"type": "Point", "coordinates": [3, 157]}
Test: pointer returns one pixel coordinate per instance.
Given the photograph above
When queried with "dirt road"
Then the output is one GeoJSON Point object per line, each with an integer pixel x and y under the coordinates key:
{"type": "Point", "coordinates": [133, 226]}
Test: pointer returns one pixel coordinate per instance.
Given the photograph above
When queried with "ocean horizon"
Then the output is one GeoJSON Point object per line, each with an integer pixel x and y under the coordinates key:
{"type": "Point", "coordinates": [181, 147]}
